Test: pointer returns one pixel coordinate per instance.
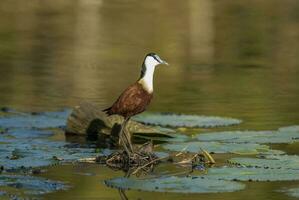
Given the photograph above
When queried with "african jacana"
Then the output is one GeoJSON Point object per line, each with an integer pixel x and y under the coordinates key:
{"type": "Point", "coordinates": [136, 97]}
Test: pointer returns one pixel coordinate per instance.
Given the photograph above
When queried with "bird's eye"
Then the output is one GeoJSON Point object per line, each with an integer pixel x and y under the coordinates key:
{"type": "Point", "coordinates": [158, 59]}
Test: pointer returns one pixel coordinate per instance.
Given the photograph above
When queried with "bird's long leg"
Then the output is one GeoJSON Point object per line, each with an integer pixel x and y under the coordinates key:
{"type": "Point", "coordinates": [128, 136]}
{"type": "Point", "coordinates": [124, 138]}
{"type": "Point", "coordinates": [122, 194]}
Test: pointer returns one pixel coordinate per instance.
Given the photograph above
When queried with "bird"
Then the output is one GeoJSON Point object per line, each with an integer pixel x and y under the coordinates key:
{"type": "Point", "coordinates": [135, 98]}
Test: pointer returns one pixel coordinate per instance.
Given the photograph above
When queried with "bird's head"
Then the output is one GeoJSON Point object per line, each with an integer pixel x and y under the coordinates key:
{"type": "Point", "coordinates": [151, 60]}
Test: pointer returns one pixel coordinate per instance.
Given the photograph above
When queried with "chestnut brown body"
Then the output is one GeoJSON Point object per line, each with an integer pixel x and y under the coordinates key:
{"type": "Point", "coordinates": [132, 101]}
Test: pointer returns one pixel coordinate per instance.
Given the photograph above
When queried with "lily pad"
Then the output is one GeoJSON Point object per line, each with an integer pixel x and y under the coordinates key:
{"type": "Point", "coordinates": [252, 174]}
{"type": "Point", "coordinates": [36, 120]}
{"type": "Point", "coordinates": [176, 184]}
{"type": "Point", "coordinates": [173, 137]}
{"type": "Point", "coordinates": [31, 185]}
{"type": "Point", "coordinates": [282, 135]}
{"type": "Point", "coordinates": [28, 133]}
{"type": "Point", "coordinates": [26, 145]}
{"type": "Point", "coordinates": [271, 161]}
{"type": "Point", "coordinates": [293, 192]}
{"type": "Point", "coordinates": [181, 120]}
{"type": "Point", "coordinates": [161, 154]}
{"type": "Point", "coordinates": [31, 148]}
{"type": "Point", "coordinates": [218, 147]}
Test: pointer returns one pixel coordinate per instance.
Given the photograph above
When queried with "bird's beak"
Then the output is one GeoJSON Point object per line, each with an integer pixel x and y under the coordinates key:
{"type": "Point", "coordinates": [161, 61]}
{"type": "Point", "coordinates": [165, 63]}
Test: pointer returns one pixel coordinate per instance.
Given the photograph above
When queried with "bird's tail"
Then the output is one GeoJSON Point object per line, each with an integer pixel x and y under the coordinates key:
{"type": "Point", "coordinates": [107, 110]}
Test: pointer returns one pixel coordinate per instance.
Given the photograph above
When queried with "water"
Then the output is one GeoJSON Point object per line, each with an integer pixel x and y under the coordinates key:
{"type": "Point", "coordinates": [227, 58]}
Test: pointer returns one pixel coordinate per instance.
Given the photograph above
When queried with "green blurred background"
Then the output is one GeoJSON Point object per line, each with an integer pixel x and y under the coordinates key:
{"type": "Point", "coordinates": [233, 58]}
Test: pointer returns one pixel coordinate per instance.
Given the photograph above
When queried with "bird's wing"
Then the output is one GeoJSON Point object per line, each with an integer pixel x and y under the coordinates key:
{"type": "Point", "coordinates": [128, 100]}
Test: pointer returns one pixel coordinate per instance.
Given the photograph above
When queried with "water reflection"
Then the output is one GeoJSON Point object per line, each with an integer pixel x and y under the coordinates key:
{"type": "Point", "coordinates": [225, 56]}
{"type": "Point", "coordinates": [122, 194]}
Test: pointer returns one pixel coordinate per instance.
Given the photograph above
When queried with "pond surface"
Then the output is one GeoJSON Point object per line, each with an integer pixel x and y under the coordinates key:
{"type": "Point", "coordinates": [227, 58]}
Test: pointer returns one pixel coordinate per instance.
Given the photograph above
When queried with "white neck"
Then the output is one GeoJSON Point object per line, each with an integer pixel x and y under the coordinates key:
{"type": "Point", "coordinates": [147, 80]}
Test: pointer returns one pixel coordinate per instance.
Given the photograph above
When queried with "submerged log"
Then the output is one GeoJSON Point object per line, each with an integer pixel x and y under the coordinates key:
{"type": "Point", "coordinates": [88, 120]}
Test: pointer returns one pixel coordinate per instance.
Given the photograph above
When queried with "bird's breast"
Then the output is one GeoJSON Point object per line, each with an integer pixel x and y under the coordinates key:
{"type": "Point", "coordinates": [146, 85]}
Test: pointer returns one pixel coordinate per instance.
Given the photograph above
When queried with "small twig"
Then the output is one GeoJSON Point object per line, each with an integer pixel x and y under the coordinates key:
{"type": "Point", "coordinates": [151, 162]}
{"type": "Point", "coordinates": [181, 152]}
{"type": "Point", "coordinates": [110, 159]}
{"type": "Point", "coordinates": [208, 156]}
{"type": "Point", "coordinates": [87, 160]}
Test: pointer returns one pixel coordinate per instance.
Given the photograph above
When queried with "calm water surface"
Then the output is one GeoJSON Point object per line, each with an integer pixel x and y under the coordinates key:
{"type": "Point", "coordinates": [227, 58]}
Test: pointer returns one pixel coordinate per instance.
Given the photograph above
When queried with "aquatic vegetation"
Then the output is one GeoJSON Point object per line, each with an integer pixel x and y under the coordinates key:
{"type": "Point", "coordinates": [31, 148]}
{"type": "Point", "coordinates": [282, 135]}
{"type": "Point", "coordinates": [176, 184]}
{"type": "Point", "coordinates": [270, 161]}
{"type": "Point", "coordinates": [35, 120]}
{"type": "Point", "coordinates": [216, 180]}
{"type": "Point", "coordinates": [166, 137]}
{"type": "Point", "coordinates": [161, 154]}
{"type": "Point", "coordinates": [28, 133]}
{"type": "Point", "coordinates": [26, 144]}
{"type": "Point", "coordinates": [293, 192]}
{"type": "Point", "coordinates": [218, 147]}
{"type": "Point", "coordinates": [30, 184]}
{"type": "Point", "coordinates": [181, 120]}
{"type": "Point", "coordinates": [252, 174]}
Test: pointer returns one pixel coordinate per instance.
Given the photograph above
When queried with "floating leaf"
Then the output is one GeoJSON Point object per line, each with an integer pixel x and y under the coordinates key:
{"type": "Point", "coordinates": [28, 133]}
{"type": "Point", "coordinates": [253, 174]}
{"type": "Point", "coordinates": [161, 154]}
{"type": "Point", "coordinates": [294, 128]}
{"type": "Point", "coordinates": [282, 135]}
{"type": "Point", "coordinates": [293, 192]}
{"type": "Point", "coordinates": [31, 148]}
{"type": "Point", "coordinates": [173, 137]}
{"type": "Point", "coordinates": [273, 152]}
{"type": "Point", "coordinates": [271, 161]}
{"type": "Point", "coordinates": [176, 184]}
{"type": "Point", "coordinates": [216, 180]}
{"type": "Point", "coordinates": [37, 120]}
{"type": "Point", "coordinates": [181, 120]}
{"type": "Point", "coordinates": [25, 145]}
{"type": "Point", "coordinates": [30, 184]}
{"type": "Point", "coordinates": [218, 147]}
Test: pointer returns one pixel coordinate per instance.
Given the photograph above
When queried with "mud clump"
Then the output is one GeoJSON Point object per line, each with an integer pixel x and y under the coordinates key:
{"type": "Point", "coordinates": [137, 162]}
{"type": "Point", "coordinates": [142, 160]}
